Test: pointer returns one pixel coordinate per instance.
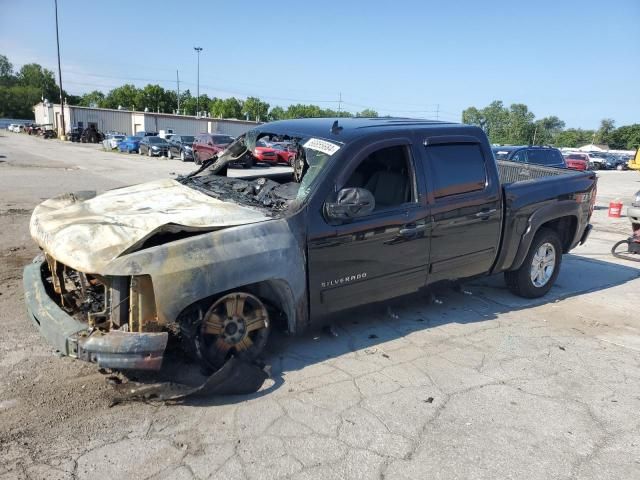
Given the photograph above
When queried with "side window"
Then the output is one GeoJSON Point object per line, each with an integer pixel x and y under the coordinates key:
{"type": "Point", "coordinates": [456, 169]}
{"type": "Point", "coordinates": [386, 173]}
{"type": "Point", "coordinates": [520, 156]}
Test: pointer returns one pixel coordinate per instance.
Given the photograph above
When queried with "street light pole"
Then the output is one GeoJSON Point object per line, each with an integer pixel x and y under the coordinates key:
{"type": "Point", "coordinates": [60, 74]}
{"type": "Point", "coordinates": [198, 50]}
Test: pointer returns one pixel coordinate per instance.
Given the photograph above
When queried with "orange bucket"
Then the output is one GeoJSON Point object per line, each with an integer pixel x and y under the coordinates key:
{"type": "Point", "coordinates": [615, 209]}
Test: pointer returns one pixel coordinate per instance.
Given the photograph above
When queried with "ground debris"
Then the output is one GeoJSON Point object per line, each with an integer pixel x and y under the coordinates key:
{"type": "Point", "coordinates": [329, 330]}
{"type": "Point", "coordinates": [391, 314]}
{"type": "Point", "coordinates": [562, 348]}
{"type": "Point", "coordinates": [235, 377]}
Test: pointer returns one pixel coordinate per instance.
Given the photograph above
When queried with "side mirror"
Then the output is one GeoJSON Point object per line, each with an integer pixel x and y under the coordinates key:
{"type": "Point", "coordinates": [350, 203]}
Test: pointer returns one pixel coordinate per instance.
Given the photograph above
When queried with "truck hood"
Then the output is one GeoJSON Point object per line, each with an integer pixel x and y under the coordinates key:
{"type": "Point", "coordinates": [86, 232]}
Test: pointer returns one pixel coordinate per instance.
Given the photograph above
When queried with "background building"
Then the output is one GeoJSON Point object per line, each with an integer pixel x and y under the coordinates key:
{"type": "Point", "coordinates": [129, 122]}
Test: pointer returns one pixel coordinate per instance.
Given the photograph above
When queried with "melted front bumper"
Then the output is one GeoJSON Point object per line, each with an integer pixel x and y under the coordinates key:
{"type": "Point", "coordinates": [71, 337]}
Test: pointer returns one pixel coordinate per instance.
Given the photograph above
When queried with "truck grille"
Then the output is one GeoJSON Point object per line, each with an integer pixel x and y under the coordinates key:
{"type": "Point", "coordinates": [99, 302]}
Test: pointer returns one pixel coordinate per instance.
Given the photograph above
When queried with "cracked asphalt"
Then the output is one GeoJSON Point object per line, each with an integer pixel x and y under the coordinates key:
{"type": "Point", "coordinates": [479, 384]}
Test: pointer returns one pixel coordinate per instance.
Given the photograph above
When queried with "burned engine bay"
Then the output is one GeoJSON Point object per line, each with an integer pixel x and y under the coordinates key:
{"type": "Point", "coordinates": [263, 193]}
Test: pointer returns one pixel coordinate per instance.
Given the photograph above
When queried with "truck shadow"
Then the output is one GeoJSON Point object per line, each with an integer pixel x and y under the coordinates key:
{"type": "Point", "coordinates": [365, 330]}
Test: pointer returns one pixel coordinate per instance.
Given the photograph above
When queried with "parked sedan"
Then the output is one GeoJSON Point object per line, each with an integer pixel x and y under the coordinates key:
{"type": "Point", "coordinates": [153, 146]}
{"type": "Point", "coordinates": [285, 152]}
{"type": "Point", "coordinates": [206, 145]}
{"type": "Point", "coordinates": [130, 144]}
{"type": "Point", "coordinates": [265, 153]}
{"type": "Point", "coordinates": [577, 161]}
{"type": "Point", "coordinates": [112, 140]}
{"type": "Point", "coordinates": [181, 146]}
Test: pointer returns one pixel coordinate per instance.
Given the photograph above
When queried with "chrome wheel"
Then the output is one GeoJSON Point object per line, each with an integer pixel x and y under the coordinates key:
{"type": "Point", "coordinates": [236, 324]}
{"type": "Point", "coordinates": [543, 265]}
{"type": "Point", "coordinates": [182, 157]}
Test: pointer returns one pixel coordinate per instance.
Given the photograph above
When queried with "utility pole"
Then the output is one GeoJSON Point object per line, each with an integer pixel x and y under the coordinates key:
{"type": "Point", "coordinates": [340, 105]}
{"type": "Point", "coordinates": [178, 95]}
{"type": "Point", "coordinates": [198, 50]}
{"type": "Point", "coordinates": [64, 131]}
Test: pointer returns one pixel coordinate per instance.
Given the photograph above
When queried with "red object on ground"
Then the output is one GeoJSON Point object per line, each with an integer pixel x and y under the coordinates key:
{"type": "Point", "coordinates": [615, 209]}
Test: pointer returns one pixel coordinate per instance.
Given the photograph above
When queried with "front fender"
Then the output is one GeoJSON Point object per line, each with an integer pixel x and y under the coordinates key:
{"type": "Point", "coordinates": [193, 268]}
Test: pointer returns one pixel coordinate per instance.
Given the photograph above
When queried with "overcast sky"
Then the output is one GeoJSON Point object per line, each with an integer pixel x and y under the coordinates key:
{"type": "Point", "coordinates": [579, 60]}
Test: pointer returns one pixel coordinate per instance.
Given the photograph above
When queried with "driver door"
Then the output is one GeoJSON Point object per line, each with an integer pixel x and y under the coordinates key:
{"type": "Point", "coordinates": [378, 256]}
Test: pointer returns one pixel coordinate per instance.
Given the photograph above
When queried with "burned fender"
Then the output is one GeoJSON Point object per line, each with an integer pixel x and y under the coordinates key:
{"type": "Point", "coordinates": [194, 268]}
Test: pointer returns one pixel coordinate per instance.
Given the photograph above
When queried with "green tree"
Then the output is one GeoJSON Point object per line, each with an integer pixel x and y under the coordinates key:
{"type": "Point", "coordinates": [626, 137]}
{"type": "Point", "coordinates": [573, 137]}
{"type": "Point", "coordinates": [226, 108]}
{"type": "Point", "coordinates": [125, 96]}
{"type": "Point", "coordinates": [7, 78]}
{"type": "Point", "coordinates": [367, 113]}
{"type": "Point", "coordinates": [607, 125]}
{"type": "Point", "coordinates": [33, 75]}
{"type": "Point", "coordinates": [546, 129]}
{"type": "Point", "coordinates": [255, 109]}
{"type": "Point", "coordinates": [277, 113]}
{"type": "Point", "coordinates": [156, 99]}
{"type": "Point", "coordinates": [92, 99]}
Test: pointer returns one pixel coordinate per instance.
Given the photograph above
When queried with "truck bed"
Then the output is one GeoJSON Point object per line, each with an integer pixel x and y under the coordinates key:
{"type": "Point", "coordinates": [512, 172]}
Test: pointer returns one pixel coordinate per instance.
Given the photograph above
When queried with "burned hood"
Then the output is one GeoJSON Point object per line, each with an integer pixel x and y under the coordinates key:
{"type": "Point", "coordinates": [86, 232]}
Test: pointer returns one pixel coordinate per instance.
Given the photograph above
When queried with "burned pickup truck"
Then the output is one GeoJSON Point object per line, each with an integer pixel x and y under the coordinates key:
{"type": "Point", "coordinates": [372, 209]}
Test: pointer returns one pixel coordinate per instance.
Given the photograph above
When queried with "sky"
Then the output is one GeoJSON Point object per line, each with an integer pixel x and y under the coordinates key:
{"type": "Point", "coordinates": [576, 59]}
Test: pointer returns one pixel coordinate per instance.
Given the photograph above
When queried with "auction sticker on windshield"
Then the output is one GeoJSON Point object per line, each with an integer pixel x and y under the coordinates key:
{"type": "Point", "coordinates": [321, 146]}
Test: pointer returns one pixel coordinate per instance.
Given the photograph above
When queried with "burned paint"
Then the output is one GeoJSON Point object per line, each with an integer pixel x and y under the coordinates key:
{"type": "Point", "coordinates": [88, 233]}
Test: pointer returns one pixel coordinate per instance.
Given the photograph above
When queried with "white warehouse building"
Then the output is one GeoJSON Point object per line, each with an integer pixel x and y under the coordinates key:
{"type": "Point", "coordinates": [130, 122]}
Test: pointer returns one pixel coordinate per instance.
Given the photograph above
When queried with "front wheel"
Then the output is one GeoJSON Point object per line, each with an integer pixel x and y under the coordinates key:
{"type": "Point", "coordinates": [236, 324]}
{"type": "Point", "coordinates": [540, 268]}
{"type": "Point", "coordinates": [149, 152]}
{"type": "Point", "coordinates": [140, 151]}
{"type": "Point", "coordinates": [169, 154]}
{"type": "Point", "coordinates": [183, 157]}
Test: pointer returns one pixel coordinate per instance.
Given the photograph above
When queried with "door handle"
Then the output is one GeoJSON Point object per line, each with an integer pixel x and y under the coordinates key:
{"type": "Point", "coordinates": [485, 213]}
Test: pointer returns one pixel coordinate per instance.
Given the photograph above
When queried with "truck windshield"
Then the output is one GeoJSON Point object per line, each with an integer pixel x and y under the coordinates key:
{"type": "Point", "coordinates": [311, 157]}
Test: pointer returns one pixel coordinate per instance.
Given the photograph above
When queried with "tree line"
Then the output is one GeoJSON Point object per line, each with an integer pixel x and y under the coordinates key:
{"type": "Point", "coordinates": [514, 125]}
{"type": "Point", "coordinates": [517, 125]}
{"type": "Point", "coordinates": [21, 90]}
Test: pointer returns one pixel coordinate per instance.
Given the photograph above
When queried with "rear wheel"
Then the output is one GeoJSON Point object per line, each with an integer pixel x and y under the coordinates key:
{"type": "Point", "coordinates": [149, 152]}
{"type": "Point", "coordinates": [540, 268]}
{"type": "Point", "coordinates": [169, 154]}
{"type": "Point", "coordinates": [236, 324]}
{"type": "Point", "coordinates": [140, 151]}
{"type": "Point", "coordinates": [182, 156]}
{"type": "Point", "coordinates": [196, 158]}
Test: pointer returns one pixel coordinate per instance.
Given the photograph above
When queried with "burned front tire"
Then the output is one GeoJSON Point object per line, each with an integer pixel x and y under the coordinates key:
{"type": "Point", "coordinates": [540, 268]}
{"type": "Point", "coordinates": [237, 324]}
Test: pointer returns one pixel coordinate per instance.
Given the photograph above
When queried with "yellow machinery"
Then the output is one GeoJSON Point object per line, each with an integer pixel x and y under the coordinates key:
{"type": "Point", "coordinates": [634, 163]}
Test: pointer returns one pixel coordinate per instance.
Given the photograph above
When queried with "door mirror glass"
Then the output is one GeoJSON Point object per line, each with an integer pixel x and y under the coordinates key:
{"type": "Point", "coordinates": [350, 203]}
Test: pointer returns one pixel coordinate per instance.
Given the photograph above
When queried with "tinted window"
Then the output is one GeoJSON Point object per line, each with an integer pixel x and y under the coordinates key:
{"type": "Point", "coordinates": [542, 157]}
{"type": "Point", "coordinates": [519, 156]}
{"type": "Point", "coordinates": [186, 139]}
{"type": "Point", "coordinates": [456, 168]}
{"type": "Point", "coordinates": [155, 140]}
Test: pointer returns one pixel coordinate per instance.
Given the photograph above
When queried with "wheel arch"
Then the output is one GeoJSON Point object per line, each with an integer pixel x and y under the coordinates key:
{"type": "Point", "coordinates": [560, 217]}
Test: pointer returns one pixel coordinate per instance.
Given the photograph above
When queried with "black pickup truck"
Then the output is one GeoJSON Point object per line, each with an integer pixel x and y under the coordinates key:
{"type": "Point", "coordinates": [373, 209]}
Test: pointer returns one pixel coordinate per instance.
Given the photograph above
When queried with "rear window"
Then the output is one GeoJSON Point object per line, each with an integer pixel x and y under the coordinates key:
{"type": "Point", "coordinates": [222, 139]}
{"type": "Point", "coordinates": [543, 157]}
{"type": "Point", "coordinates": [501, 154]}
{"type": "Point", "coordinates": [576, 157]}
{"type": "Point", "coordinates": [456, 169]}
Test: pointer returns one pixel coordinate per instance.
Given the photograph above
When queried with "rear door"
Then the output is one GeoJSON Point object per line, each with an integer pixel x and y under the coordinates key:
{"type": "Point", "coordinates": [466, 207]}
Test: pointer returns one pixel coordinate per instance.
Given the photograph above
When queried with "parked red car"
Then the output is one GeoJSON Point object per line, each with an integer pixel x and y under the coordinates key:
{"type": "Point", "coordinates": [206, 145]}
{"type": "Point", "coordinates": [285, 152]}
{"type": "Point", "coordinates": [577, 161]}
{"type": "Point", "coordinates": [265, 153]}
